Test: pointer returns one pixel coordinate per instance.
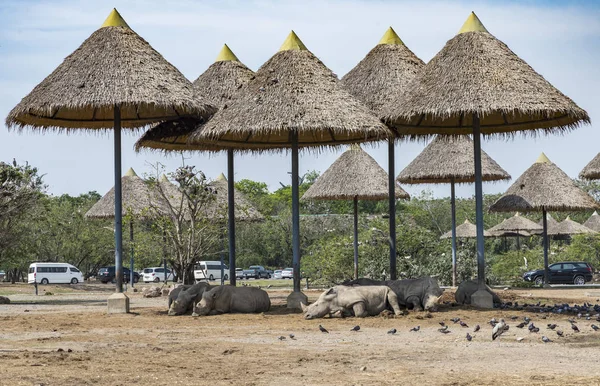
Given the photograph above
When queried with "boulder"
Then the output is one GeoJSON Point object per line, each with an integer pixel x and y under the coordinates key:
{"type": "Point", "coordinates": [151, 292]}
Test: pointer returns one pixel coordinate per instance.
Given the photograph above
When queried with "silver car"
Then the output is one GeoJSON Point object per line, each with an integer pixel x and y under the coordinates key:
{"type": "Point", "coordinates": [277, 274]}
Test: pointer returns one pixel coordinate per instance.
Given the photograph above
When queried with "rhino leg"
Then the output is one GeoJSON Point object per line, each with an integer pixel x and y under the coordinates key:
{"type": "Point", "coordinates": [360, 310]}
{"type": "Point", "coordinates": [415, 301]}
{"type": "Point", "coordinates": [392, 299]}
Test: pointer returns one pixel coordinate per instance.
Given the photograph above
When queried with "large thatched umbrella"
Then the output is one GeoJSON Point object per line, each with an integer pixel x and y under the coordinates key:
{"type": "Point", "coordinates": [476, 84]}
{"type": "Point", "coordinates": [516, 225]}
{"type": "Point", "coordinates": [114, 79]}
{"type": "Point", "coordinates": [593, 222]}
{"type": "Point", "coordinates": [294, 101]}
{"type": "Point", "coordinates": [591, 171]}
{"type": "Point", "coordinates": [218, 85]}
{"type": "Point", "coordinates": [375, 81]}
{"type": "Point", "coordinates": [354, 176]}
{"type": "Point", "coordinates": [449, 159]}
{"type": "Point", "coordinates": [568, 227]}
{"type": "Point", "coordinates": [544, 187]}
{"type": "Point", "coordinates": [466, 230]}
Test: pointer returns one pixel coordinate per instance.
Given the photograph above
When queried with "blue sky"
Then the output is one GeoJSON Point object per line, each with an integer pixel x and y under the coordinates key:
{"type": "Point", "coordinates": [559, 39]}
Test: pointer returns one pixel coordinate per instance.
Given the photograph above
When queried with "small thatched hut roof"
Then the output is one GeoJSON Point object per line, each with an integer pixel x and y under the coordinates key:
{"type": "Point", "coordinates": [217, 86]}
{"type": "Point", "coordinates": [544, 186]}
{"type": "Point", "coordinates": [477, 73]}
{"type": "Point", "coordinates": [449, 158]}
{"type": "Point", "coordinates": [355, 174]}
{"type": "Point", "coordinates": [593, 222]}
{"type": "Point", "coordinates": [383, 73]}
{"type": "Point", "coordinates": [516, 224]}
{"type": "Point", "coordinates": [466, 230]}
{"type": "Point", "coordinates": [137, 198]}
{"type": "Point", "coordinates": [293, 92]}
{"type": "Point", "coordinates": [568, 227]}
{"type": "Point", "coordinates": [244, 210]}
{"type": "Point", "coordinates": [114, 66]}
{"type": "Point", "coordinates": [591, 171]}
{"type": "Point", "coordinates": [550, 221]}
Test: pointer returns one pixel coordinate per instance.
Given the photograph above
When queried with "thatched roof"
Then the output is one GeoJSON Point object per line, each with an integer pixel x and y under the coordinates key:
{"type": "Point", "coordinates": [509, 233]}
{"type": "Point", "coordinates": [550, 221]}
{"type": "Point", "coordinates": [477, 73]}
{"type": "Point", "coordinates": [137, 197]}
{"type": "Point", "coordinates": [114, 66]}
{"type": "Point", "coordinates": [568, 227]}
{"type": "Point", "coordinates": [466, 230]}
{"type": "Point", "coordinates": [244, 210]}
{"type": "Point", "coordinates": [355, 174]}
{"type": "Point", "coordinates": [591, 171]}
{"type": "Point", "coordinates": [217, 86]}
{"type": "Point", "coordinates": [449, 158]}
{"type": "Point", "coordinates": [293, 92]}
{"type": "Point", "coordinates": [593, 222]}
{"type": "Point", "coordinates": [383, 73]}
{"type": "Point", "coordinates": [544, 186]}
{"type": "Point", "coordinates": [516, 224]}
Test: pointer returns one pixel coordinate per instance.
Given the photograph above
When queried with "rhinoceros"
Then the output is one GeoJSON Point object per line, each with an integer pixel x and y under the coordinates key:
{"type": "Point", "coordinates": [186, 299]}
{"type": "Point", "coordinates": [225, 299]}
{"type": "Point", "coordinates": [467, 288]}
{"type": "Point", "coordinates": [416, 294]}
{"type": "Point", "coordinates": [175, 292]}
{"type": "Point", "coordinates": [358, 301]}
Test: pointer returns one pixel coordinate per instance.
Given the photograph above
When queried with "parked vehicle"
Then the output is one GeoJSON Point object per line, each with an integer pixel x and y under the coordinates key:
{"type": "Point", "coordinates": [2, 275]}
{"type": "Point", "coordinates": [277, 274]}
{"type": "Point", "coordinates": [210, 270]}
{"type": "Point", "coordinates": [568, 272]}
{"type": "Point", "coordinates": [287, 273]}
{"type": "Point", "coordinates": [239, 273]}
{"type": "Point", "coordinates": [55, 273]}
{"type": "Point", "coordinates": [157, 274]}
{"type": "Point", "coordinates": [107, 274]}
{"type": "Point", "coordinates": [257, 272]}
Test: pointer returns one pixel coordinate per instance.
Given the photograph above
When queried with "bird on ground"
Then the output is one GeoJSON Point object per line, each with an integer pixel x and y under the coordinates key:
{"type": "Point", "coordinates": [574, 327]}
{"type": "Point", "coordinates": [559, 333]}
{"type": "Point", "coordinates": [531, 327]}
{"type": "Point", "coordinates": [281, 337]}
{"type": "Point", "coordinates": [455, 320]}
{"type": "Point", "coordinates": [415, 328]}
{"type": "Point", "coordinates": [552, 326]}
{"type": "Point", "coordinates": [535, 329]}
{"type": "Point", "coordinates": [545, 339]}
{"type": "Point", "coordinates": [499, 328]}
{"type": "Point", "coordinates": [469, 337]}
{"type": "Point", "coordinates": [443, 329]}
{"type": "Point", "coordinates": [392, 331]}
{"type": "Point", "coordinates": [521, 325]}
{"type": "Point", "coordinates": [442, 323]}
{"type": "Point", "coordinates": [595, 328]}
{"type": "Point", "coordinates": [292, 336]}
{"type": "Point", "coordinates": [526, 319]}
{"type": "Point", "coordinates": [476, 328]}
{"type": "Point", "coordinates": [493, 322]}
{"type": "Point", "coordinates": [355, 328]}
{"type": "Point", "coordinates": [463, 324]}
{"type": "Point", "coordinates": [514, 317]}
{"type": "Point", "coordinates": [323, 329]}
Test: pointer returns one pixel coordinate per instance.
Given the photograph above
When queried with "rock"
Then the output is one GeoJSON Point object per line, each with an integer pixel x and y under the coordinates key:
{"type": "Point", "coordinates": [4, 300]}
{"type": "Point", "coordinates": [151, 292]}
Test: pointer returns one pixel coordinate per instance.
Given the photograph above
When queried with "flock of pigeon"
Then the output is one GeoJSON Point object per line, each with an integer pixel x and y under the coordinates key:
{"type": "Point", "coordinates": [585, 312]}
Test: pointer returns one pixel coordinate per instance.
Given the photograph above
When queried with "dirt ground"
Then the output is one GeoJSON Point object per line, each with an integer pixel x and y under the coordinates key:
{"type": "Point", "coordinates": [68, 339]}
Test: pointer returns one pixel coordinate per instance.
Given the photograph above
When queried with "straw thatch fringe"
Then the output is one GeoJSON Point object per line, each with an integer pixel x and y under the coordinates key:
{"type": "Point", "coordinates": [244, 210]}
{"type": "Point", "coordinates": [593, 222]}
{"type": "Point", "coordinates": [380, 77]}
{"type": "Point", "coordinates": [568, 227]}
{"type": "Point", "coordinates": [477, 73]}
{"type": "Point", "coordinates": [544, 186]}
{"type": "Point", "coordinates": [515, 224]}
{"type": "Point", "coordinates": [292, 92]}
{"type": "Point", "coordinates": [355, 174]}
{"type": "Point", "coordinates": [466, 230]}
{"type": "Point", "coordinates": [449, 158]}
{"type": "Point", "coordinates": [114, 66]}
{"type": "Point", "coordinates": [591, 171]}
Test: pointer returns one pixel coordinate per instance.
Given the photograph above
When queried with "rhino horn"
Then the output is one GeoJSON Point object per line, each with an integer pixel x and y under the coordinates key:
{"type": "Point", "coordinates": [303, 306]}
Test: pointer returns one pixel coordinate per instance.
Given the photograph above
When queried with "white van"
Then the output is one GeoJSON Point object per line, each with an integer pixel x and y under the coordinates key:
{"type": "Point", "coordinates": [55, 273]}
{"type": "Point", "coordinates": [156, 274]}
{"type": "Point", "coordinates": [210, 270]}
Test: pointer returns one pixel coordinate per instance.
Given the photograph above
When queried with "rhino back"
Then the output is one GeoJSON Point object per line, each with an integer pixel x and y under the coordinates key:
{"type": "Point", "coordinates": [421, 288]}
{"type": "Point", "coordinates": [373, 297]}
{"type": "Point", "coordinates": [249, 299]}
{"type": "Point", "coordinates": [362, 281]}
{"type": "Point", "coordinates": [467, 288]}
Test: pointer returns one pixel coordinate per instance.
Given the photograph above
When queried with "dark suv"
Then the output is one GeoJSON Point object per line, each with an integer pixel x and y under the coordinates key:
{"type": "Point", "coordinates": [569, 272]}
{"type": "Point", "coordinates": [107, 274]}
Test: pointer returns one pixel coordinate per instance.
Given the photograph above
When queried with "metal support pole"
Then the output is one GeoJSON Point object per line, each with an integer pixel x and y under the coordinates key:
{"type": "Point", "coordinates": [165, 256]}
{"type": "Point", "coordinates": [231, 216]}
{"type": "Point", "coordinates": [222, 258]}
{"type": "Point", "coordinates": [295, 213]}
{"type": "Point", "coordinates": [131, 275]}
{"type": "Point", "coordinates": [355, 237]}
{"type": "Point", "coordinates": [545, 235]}
{"type": "Point", "coordinates": [392, 208]}
{"type": "Point", "coordinates": [453, 210]}
{"type": "Point", "coordinates": [118, 203]}
{"type": "Point", "coordinates": [478, 201]}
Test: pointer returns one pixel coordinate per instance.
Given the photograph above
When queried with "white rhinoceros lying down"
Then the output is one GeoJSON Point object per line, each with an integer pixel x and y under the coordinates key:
{"type": "Point", "coordinates": [357, 301]}
{"type": "Point", "coordinates": [226, 298]}
{"type": "Point", "coordinates": [187, 298]}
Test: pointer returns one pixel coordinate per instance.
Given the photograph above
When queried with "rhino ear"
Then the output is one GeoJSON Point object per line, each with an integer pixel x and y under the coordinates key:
{"type": "Point", "coordinates": [331, 291]}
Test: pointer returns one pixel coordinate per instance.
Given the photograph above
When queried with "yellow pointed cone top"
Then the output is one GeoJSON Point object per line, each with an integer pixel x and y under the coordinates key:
{"type": "Point", "coordinates": [595, 213]}
{"type": "Point", "coordinates": [568, 218]}
{"type": "Point", "coordinates": [293, 42]}
{"type": "Point", "coordinates": [221, 177]}
{"type": "Point", "coordinates": [114, 20]}
{"type": "Point", "coordinates": [390, 37]}
{"type": "Point", "coordinates": [517, 214]}
{"type": "Point", "coordinates": [542, 159]}
{"type": "Point", "coordinates": [163, 178]}
{"type": "Point", "coordinates": [354, 147]}
{"type": "Point", "coordinates": [226, 55]}
{"type": "Point", "coordinates": [473, 24]}
{"type": "Point", "coordinates": [130, 173]}
{"type": "Point", "coordinates": [467, 221]}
